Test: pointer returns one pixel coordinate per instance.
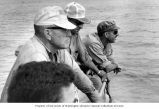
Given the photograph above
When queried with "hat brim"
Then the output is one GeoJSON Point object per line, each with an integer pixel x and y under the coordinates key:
{"type": "Point", "coordinates": [112, 29]}
{"type": "Point", "coordinates": [61, 22]}
{"type": "Point", "coordinates": [66, 25]}
{"type": "Point", "coordinates": [84, 20]}
{"type": "Point", "coordinates": [116, 28]}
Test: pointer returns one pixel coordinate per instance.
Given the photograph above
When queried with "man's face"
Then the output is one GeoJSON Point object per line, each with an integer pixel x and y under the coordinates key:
{"type": "Point", "coordinates": [60, 38]}
{"type": "Point", "coordinates": [77, 29]}
{"type": "Point", "coordinates": [111, 36]}
{"type": "Point", "coordinates": [78, 23]}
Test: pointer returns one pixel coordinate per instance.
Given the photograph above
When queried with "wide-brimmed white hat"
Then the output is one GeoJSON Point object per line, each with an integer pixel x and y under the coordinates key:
{"type": "Point", "coordinates": [53, 15]}
{"type": "Point", "coordinates": [76, 11]}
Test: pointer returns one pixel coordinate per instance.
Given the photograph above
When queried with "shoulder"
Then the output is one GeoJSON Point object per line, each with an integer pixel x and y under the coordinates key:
{"type": "Point", "coordinates": [32, 51]}
{"type": "Point", "coordinates": [23, 58]}
{"type": "Point", "coordinates": [28, 56]}
{"type": "Point", "coordinates": [90, 38]}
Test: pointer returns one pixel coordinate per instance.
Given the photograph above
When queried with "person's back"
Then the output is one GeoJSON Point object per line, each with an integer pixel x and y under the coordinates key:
{"type": "Point", "coordinates": [42, 82]}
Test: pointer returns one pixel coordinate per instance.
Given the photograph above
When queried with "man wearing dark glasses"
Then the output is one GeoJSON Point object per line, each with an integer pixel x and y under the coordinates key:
{"type": "Point", "coordinates": [99, 46]}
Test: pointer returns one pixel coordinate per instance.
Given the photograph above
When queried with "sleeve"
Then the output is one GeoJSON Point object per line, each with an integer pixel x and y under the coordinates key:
{"type": "Point", "coordinates": [82, 81]}
{"type": "Point", "coordinates": [84, 56]}
{"type": "Point", "coordinates": [111, 59]}
{"type": "Point", "coordinates": [82, 51]}
{"type": "Point", "coordinates": [98, 55]}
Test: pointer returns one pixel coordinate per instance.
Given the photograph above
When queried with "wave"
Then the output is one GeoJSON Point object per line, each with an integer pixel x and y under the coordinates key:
{"type": "Point", "coordinates": [142, 30]}
{"type": "Point", "coordinates": [150, 19]}
{"type": "Point", "coordinates": [138, 44]}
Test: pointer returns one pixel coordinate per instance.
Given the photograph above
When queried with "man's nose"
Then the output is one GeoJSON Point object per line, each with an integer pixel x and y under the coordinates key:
{"type": "Point", "coordinates": [117, 34]}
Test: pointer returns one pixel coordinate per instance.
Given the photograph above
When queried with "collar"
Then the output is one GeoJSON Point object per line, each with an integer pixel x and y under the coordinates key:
{"type": "Point", "coordinates": [47, 49]}
{"type": "Point", "coordinates": [52, 56]}
{"type": "Point", "coordinates": [97, 36]}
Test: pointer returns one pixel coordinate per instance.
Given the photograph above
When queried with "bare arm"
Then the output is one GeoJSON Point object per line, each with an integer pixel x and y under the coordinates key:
{"type": "Point", "coordinates": [82, 81]}
{"type": "Point", "coordinates": [84, 56]}
{"type": "Point", "coordinates": [100, 58]}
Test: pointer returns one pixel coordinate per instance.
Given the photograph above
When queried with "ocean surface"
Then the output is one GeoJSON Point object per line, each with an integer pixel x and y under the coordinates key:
{"type": "Point", "coordinates": [136, 49]}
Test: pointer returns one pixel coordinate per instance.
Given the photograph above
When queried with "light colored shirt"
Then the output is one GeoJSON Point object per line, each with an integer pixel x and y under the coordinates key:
{"type": "Point", "coordinates": [34, 50]}
{"type": "Point", "coordinates": [99, 53]}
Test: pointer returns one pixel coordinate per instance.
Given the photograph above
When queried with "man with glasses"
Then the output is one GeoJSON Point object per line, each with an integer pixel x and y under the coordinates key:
{"type": "Point", "coordinates": [99, 46]}
{"type": "Point", "coordinates": [50, 43]}
{"type": "Point", "coordinates": [76, 14]}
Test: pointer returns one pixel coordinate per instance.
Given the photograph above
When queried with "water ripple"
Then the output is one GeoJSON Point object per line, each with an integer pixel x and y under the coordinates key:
{"type": "Point", "coordinates": [142, 30]}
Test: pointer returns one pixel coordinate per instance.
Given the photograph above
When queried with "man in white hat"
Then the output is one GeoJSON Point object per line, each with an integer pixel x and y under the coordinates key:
{"type": "Point", "coordinates": [76, 14]}
{"type": "Point", "coordinates": [52, 37]}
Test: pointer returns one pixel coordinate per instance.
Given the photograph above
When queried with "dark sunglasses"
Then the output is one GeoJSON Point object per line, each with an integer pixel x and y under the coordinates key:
{"type": "Point", "coordinates": [78, 23]}
{"type": "Point", "coordinates": [115, 32]}
{"type": "Point", "coordinates": [66, 30]}
{"type": "Point", "coordinates": [56, 28]}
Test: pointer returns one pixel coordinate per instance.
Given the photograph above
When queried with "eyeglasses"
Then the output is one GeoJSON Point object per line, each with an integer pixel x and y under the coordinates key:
{"type": "Point", "coordinates": [66, 30]}
{"type": "Point", "coordinates": [63, 29]}
{"type": "Point", "coordinates": [56, 28]}
{"type": "Point", "coordinates": [78, 23]}
{"type": "Point", "coordinates": [115, 32]}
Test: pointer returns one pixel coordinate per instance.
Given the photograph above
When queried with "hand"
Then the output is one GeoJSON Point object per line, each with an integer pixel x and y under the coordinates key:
{"type": "Point", "coordinates": [103, 75]}
{"type": "Point", "coordinates": [117, 70]}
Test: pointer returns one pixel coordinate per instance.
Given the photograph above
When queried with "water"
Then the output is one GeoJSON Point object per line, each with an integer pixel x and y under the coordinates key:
{"type": "Point", "coordinates": [136, 50]}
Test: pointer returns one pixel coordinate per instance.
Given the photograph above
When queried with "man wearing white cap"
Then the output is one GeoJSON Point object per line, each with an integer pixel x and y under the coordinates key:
{"type": "Point", "coordinates": [76, 14]}
{"type": "Point", "coordinates": [52, 37]}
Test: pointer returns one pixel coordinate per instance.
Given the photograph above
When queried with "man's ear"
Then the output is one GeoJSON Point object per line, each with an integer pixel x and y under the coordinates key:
{"type": "Point", "coordinates": [106, 34]}
{"type": "Point", "coordinates": [47, 34]}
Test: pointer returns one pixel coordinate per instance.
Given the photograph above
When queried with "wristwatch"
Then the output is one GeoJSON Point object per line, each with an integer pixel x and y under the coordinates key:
{"type": "Point", "coordinates": [99, 72]}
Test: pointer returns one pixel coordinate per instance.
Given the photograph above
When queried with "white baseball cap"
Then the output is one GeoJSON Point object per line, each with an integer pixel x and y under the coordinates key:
{"type": "Point", "coordinates": [76, 11]}
{"type": "Point", "coordinates": [53, 15]}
